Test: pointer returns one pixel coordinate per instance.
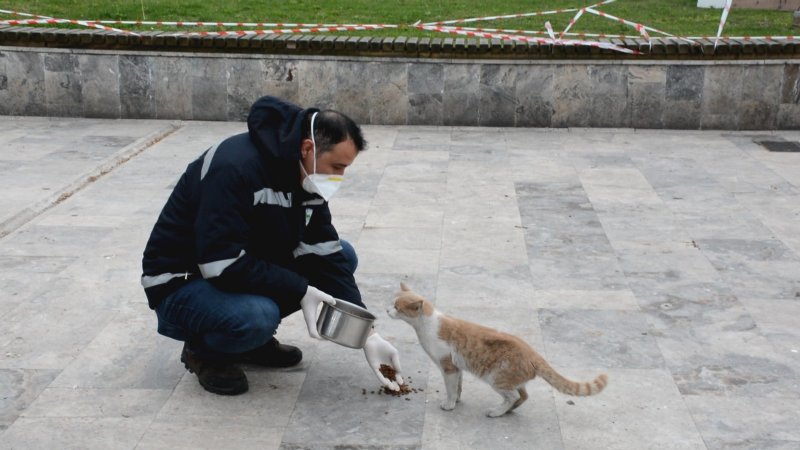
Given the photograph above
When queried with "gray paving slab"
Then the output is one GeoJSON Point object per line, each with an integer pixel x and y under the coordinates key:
{"type": "Point", "coordinates": [45, 160]}
{"type": "Point", "coordinates": [667, 259]}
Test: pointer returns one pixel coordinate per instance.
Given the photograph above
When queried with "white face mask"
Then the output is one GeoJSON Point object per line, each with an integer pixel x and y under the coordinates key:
{"type": "Point", "coordinates": [325, 185]}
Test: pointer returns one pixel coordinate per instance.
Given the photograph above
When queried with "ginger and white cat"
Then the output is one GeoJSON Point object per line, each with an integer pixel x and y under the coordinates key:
{"type": "Point", "coordinates": [504, 361]}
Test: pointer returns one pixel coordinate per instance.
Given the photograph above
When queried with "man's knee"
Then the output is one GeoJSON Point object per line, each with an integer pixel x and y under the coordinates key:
{"type": "Point", "coordinates": [256, 324]}
{"type": "Point", "coordinates": [349, 254]}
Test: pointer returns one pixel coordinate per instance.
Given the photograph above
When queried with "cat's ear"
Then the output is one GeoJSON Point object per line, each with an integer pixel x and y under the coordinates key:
{"type": "Point", "coordinates": [417, 306]}
{"type": "Point", "coordinates": [404, 287]}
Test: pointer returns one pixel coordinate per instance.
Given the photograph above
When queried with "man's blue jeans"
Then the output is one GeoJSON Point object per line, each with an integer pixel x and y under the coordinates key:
{"type": "Point", "coordinates": [216, 322]}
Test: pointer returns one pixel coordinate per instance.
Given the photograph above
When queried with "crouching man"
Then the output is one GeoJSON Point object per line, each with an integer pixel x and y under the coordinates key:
{"type": "Point", "coordinates": [246, 238]}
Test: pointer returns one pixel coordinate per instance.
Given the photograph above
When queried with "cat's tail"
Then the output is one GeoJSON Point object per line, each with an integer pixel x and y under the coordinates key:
{"type": "Point", "coordinates": [570, 387]}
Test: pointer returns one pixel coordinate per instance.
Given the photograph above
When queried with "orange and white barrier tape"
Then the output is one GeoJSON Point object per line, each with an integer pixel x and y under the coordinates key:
{"type": "Point", "coordinates": [606, 2]}
{"type": "Point", "coordinates": [615, 36]}
{"type": "Point", "coordinates": [540, 32]}
{"type": "Point", "coordinates": [639, 27]}
{"type": "Point", "coordinates": [313, 27]}
{"type": "Point", "coordinates": [549, 29]}
{"type": "Point", "coordinates": [23, 14]}
{"type": "Point", "coordinates": [750, 38]}
{"type": "Point", "coordinates": [44, 20]}
{"type": "Point", "coordinates": [294, 27]}
{"type": "Point", "coordinates": [572, 21]}
{"type": "Point", "coordinates": [515, 37]}
{"type": "Point", "coordinates": [242, 24]}
{"type": "Point", "coordinates": [725, 10]}
{"type": "Point", "coordinates": [279, 31]}
{"type": "Point", "coordinates": [508, 16]}
{"type": "Point", "coordinates": [580, 13]}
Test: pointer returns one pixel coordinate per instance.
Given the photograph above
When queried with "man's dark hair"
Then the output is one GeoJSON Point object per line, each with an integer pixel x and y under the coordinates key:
{"type": "Point", "coordinates": [332, 127]}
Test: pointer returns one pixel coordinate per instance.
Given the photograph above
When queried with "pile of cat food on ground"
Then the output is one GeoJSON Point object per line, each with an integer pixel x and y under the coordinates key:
{"type": "Point", "coordinates": [390, 373]}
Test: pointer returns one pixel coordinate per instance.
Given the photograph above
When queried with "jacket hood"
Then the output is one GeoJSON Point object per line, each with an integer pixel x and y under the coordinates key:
{"type": "Point", "coordinates": [275, 127]}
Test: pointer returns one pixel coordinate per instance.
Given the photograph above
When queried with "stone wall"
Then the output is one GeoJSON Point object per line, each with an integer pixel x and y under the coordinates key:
{"type": "Point", "coordinates": [705, 94]}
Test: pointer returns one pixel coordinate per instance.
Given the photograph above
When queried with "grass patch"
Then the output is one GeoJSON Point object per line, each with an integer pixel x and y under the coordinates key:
{"type": "Point", "coordinates": [679, 17]}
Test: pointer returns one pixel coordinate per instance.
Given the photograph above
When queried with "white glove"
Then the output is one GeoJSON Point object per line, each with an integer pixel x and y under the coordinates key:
{"type": "Point", "coordinates": [378, 351]}
{"type": "Point", "coordinates": [309, 304]}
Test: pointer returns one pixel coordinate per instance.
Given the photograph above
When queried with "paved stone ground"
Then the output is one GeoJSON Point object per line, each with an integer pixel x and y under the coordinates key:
{"type": "Point", "coordinates": [669, 260]}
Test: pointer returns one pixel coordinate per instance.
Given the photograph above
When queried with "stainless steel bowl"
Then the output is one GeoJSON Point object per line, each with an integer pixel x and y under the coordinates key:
{"type": "Point", "coordinates": [345, 323]}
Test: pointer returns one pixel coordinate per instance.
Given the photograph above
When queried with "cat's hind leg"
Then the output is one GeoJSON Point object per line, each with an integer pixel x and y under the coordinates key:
{"type": "Point", "coordinates": [523, 395]}
{"type": "Point", "coordinates": [510, 399]}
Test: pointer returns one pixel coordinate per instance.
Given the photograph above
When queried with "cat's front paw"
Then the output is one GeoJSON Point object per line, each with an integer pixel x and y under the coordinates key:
{"type": "Point", "coordinates": [448, 405]}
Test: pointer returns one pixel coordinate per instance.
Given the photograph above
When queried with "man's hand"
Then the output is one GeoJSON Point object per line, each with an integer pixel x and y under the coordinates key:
{"type": "Point", "coordinates": [378, 351]}
{"type": "Point", "coordinates": [309, 304]}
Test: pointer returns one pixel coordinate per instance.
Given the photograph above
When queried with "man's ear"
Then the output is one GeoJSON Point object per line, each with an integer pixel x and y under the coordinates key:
{"type": "Point", "coordinates": [306, 147]}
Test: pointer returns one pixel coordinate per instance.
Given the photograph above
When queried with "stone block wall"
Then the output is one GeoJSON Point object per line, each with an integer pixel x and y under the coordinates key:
{"type": "Point", "coordinates": [735, 94]}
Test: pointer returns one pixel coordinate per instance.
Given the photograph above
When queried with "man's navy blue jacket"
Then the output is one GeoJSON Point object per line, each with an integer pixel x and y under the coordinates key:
{"type": "Point", "coordinates": [238, 218]}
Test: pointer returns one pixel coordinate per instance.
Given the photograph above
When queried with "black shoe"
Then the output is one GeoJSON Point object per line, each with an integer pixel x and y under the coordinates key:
{"type": "Point", "coordinates": [271, 354]}
{"type": "Point", "coordinates": [215, 376]}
